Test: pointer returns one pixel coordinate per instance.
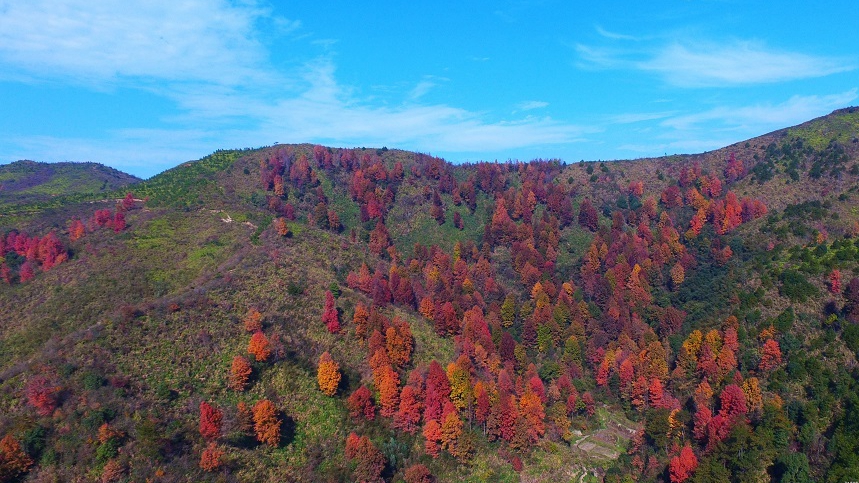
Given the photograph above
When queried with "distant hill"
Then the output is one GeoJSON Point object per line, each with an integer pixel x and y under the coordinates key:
{"type": "Point", "coordinates": [31, 181]}
{"type": "Point", "coordinates": [684, 318]}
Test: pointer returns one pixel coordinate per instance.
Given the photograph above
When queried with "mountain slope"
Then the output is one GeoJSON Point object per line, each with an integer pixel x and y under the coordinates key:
{"type": "Point", "coordinates": [29, 181]}
{"type": "Point", "coordinates": [550, 321]}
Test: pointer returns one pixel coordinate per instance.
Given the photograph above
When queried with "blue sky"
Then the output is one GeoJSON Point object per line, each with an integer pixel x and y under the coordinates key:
{"type": "Point", "coordinates": [144, 86]}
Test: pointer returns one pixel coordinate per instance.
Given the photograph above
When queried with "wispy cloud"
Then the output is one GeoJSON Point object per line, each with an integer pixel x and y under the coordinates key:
{"type": "Point", "coordinates": [736, 64]}
{"type": "Point", "coordinates": [427, 84]}
{"type": "Point", "coordinates": [206, 57]}
{"type": "Point", "coordinates": [104, 40]}
{"type": "Point", "coordinates": [724, 125]}
{"type": "Point", "coordinates": [634, 117]}
{"type": "Point", "coordinates": [613, 35]}
{"type": "Point", "coordinates": [531, 105]}
{"type": "Point", "coordinates": [709, 64]}
{"type": "Point", "coordinates": [762, 116]}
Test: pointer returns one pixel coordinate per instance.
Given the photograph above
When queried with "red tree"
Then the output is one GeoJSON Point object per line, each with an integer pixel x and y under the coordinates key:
{"type": "Point", "coordinates": [588, 216]}
{"type": "Point", "coordinates": [432, 437]}
{"type": "Point", "coordinates": [42, 394]}
{"type": "Point", "coordinates": [418, 474]}
{"type": "Point", "coordinates": [266, 423]}
{"type": "Point", "coordinates": [26, 272]}
{"type": "Point", "coordinates": [118, 222]}
{"type": "Point", "coordinates": [259, 346]}
{"type": "Point", "coordinates": [77, 230]}
{"type": "Point", "coordinates": [370, 461]}
{"type": "Point", "coordinates": [360, 404]}
{"type": "Point", "coordinates": [240, 372]}
{"type": "Point", "coordinates": [733, 402]}
{"type": "Point", "coordinates": [13, 460]}
{"type": "Point", "coordinates": [128, 201]}
{"type": "Point", "coordinates": [330, 317]}
{"type": "Point", "coordinates": [409, 414]}
{"type": "Point", "coordinates": [212, 457]}
{"type": "Point", "coordinates": [682, 466]}
{"type": "Point", "coordinates": [210, 421]}
{"type": "Point", "coordinates": [770, 355]}
{"type": "Point", "coordinates": [835, 282]}
{"type": "Point", "coordinates": [437, 391]}
{"type": "Point", "coordinates": [655, 393]}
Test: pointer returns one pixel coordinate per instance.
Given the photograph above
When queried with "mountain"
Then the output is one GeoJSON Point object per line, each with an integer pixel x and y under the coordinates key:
{"type": "Point", "coordinates": [30, 181]}
{"type": "Point", "coordinates": [305, 313]}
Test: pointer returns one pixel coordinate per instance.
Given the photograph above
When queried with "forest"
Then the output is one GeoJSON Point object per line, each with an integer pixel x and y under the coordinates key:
{"type": "Point", "coordinates": [309, 313]}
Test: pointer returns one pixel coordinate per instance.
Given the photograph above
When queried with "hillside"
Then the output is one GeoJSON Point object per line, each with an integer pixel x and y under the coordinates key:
{"type": "Point", "coordinates": [27, 182]}
{"type": "Point", "coordinates": [304, 313]}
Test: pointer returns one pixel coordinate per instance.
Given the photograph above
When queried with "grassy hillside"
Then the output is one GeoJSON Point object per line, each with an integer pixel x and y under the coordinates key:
{"type": "Point", "coordinates": [536, 321]}
{"type": "Point", "coordinates": [25, 182]}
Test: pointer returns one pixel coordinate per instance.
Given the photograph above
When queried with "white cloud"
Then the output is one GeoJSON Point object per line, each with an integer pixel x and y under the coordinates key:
{"type": "Point", "coordinates": [635, 117]}
{"type": "Point", "coordinates": [722, 126]}
{"type": "Point", "coordinates": [703, 64]}
{"type": "Point", "coordinates": [735, 64]}
{"type": "Point", "coordinates": [613, 35]}
{"type": "Point", "coordinates": [530, 105]}
{"type": "Point", "coordinates": [421, 89]}
{"type": "Point", "coordinates": [205, 56]}
{"type": "Point", "coordinates": [795, 110]}
{"type": "Point", "coordinates": [101, 40]}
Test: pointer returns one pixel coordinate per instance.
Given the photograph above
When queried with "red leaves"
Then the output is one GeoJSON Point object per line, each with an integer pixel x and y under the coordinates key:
{"type": "Point", "coordinates": [655, 393]}
{"type": "Point", "coordinates": [733, 402]}
{"type": "Point", "coordinates": [734, 170]}
{"type": "Point", "coordinates": [418, 474]}
{"type": "Point", "coordinates": [13, 460]}
{"type": "Point", "coordinates": [701, 420]}
{"type": "Point", "coordinates": [835, 282]}
{"type": "Point", "coordinates": [259, 346]}
{"type": "Point", "coordinates": [253, 320]}
{"type": "Point", "coordinates": [770, 355]}
{"type": "Point", "coordinates": [212, 457]}
{"type": "Point", "coordinates": [399, 342]}
{"type": "Point", "coordinates": [437, 391]}
{"type": "Point", "coordinates": [239, 373]}
{"type": "Point", "coordinates": [330, 317]}
{"type": "Point", "coordinates": [409, 415]}
{"type": "Point", "coordinates": [77, 230]}
{"type": "Point", "coordinates": [387, 383]}
{"type": "Point", "coordinates": [41, 393]}
{"type": "Point", "coordinates": [588, 217]}
{"type": "Point", "coordinates": [360, 404]}
{"type": "Point", "coordinates": [370, 461]}
{"type": "Point", "coordinates": [118, 222]}
{"type": "Point", "coordinates": [128, 201]}
{"type": "Point", "coordinates": [210, 421]}
{"type": "Point", "coordinates": [682, 466]}
{"type": "Point", "coordinates": [432, 438]}
{"type": "Point", "coordinates": [266, 423]}
{"type": "Point", "coordinates": [380, 239]}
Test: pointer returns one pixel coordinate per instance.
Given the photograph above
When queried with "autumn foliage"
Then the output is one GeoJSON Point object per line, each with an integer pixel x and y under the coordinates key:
{"type": "Point", "coordinates": [13, 460]}
{"type": "Point", "coordinates": [369, 461]}
{"type": "Point", "coordinates": [240, 373]}
{"type": "Point", "coordinates": [212, 457]}
{"type": "Point", "coordinates": [259, 347]}
{"type": "Point", "coordinates": [266, 423]}
{"type": "Point", "coordinates": [683, 465]}
{"type": "Point", "coordinates": [330, 317]}
{"type": "Point", "coordinates": [210, 421]}
{"type": "Point", "coordinates": [42, 392]}
{"type": "Point", "coordinates": [253, 321]}
{"type": "Point", "coordinates": [328, 374]}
